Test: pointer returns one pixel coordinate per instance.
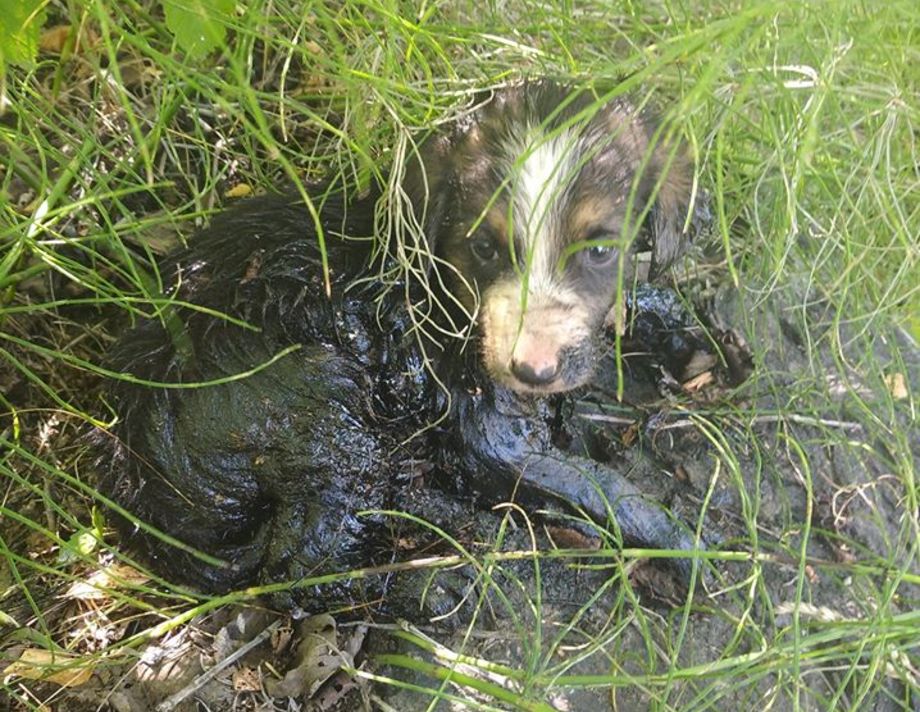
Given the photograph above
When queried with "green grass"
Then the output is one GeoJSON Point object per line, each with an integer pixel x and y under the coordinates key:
{"type": "Point", "coordinates": [803, 119]}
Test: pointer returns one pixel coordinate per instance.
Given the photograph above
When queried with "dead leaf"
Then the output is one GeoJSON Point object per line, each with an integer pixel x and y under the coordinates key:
{"type": "Point", "coordinates": [333, 693]}
{"type": "Point", "coordinates": [897, 385]}
{"type": "Point", "coordinates": [54, 40]}
{"type": "Point", "coordinates": [317, 658]}
{"type": "Point", "coordinates": [247, 679]}
{"type": "Point", "coordinates": [307, 677]}
{"type": "Point", "coordinates": [630, 434]}
{"type": "Point", "coordinates": [240, 190]}
{"type": "Point", "coordinates": [355, 641]}
{"type": "Point", "coordinates": [281, 638]}
{"type": "Point", "coordinates": [98, 585]}
{"type": "Point", "coordinates": [567, 538]}
{"type": "Point", "coordinates": [60, 668]}
{"type": "Point", "coordinates": [699, 381]}
{"type": "Point", "coordinates": [680, 473]}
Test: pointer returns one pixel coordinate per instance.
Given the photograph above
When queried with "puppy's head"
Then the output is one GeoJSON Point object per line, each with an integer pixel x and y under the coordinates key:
{"type": "Point", "coordinates": [536, 202]}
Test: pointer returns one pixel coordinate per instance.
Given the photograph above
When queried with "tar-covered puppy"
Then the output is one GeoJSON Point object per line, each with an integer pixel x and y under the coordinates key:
{"type": "Point", "coordinates": [531, 206]}
{"type": "Point", "coordinates": [537, 211]}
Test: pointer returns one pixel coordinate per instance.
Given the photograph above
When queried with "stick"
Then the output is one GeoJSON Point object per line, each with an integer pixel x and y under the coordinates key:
{"type": "Point", "coordinates": [170, 703]}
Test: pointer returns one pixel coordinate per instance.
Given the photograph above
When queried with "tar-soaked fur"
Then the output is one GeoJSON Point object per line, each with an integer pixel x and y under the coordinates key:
{"type": "Point", "coordinates": [532, 206]}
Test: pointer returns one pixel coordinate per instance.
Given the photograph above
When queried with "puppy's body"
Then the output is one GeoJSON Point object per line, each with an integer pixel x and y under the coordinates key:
{"type": "Point", "coordinates": [266, 473]}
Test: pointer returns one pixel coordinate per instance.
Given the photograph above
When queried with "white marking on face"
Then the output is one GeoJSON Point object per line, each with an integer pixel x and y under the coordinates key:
{"type": "Point", "coordinates": [539, 189]}
{"type": "Point", "coordinates": [540, 327]}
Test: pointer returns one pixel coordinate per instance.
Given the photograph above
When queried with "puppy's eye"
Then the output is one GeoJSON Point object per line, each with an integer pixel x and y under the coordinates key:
{"type": "Point", "coordinates": [598, 255]}
{"type": "Point", "coordinates": [484, 248]}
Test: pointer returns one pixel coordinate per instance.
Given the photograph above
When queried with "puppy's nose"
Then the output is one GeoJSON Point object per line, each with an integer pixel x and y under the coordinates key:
{"type": "Point", "coordinates": [538, 373]}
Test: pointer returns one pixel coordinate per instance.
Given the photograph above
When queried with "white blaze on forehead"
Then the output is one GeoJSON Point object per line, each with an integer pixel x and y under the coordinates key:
{"type": "Point", "coordinates": [539, 185]}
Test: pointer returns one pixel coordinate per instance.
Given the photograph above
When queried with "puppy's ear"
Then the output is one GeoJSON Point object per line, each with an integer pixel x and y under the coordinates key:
{"type": "Point", "coordinates": [668, 215]}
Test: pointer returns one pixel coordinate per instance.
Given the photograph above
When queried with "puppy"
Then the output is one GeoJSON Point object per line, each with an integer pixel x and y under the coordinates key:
{"type": "Point", "coordinates": [321, 397]}
{"type": "Point", "coordinates": [538, 205]}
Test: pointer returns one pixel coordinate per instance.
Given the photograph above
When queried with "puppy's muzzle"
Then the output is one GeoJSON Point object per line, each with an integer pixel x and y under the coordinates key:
{"type": "Point", "coordinates": [537, 367]}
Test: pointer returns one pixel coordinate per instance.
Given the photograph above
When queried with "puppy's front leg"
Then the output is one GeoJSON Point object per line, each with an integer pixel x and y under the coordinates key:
{"type": "Point", "coordinates": [608, 497]}
{"type": "Point", "coordinates": [506, 444]}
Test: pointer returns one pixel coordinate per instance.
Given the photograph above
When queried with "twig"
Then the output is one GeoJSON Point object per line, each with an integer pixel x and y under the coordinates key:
{"type": "Point", "coordinates": [806, 420]}
{"type": "Point", "coordinates": [600, 417]}
{"type": "Point", "coordinates": [757, 419]}
{"type": "Point", "coordinates": [172, 701]}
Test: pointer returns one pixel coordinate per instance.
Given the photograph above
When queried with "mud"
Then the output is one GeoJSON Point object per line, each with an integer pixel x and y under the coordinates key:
{"type": "Point", "coordinates": [273, 474]}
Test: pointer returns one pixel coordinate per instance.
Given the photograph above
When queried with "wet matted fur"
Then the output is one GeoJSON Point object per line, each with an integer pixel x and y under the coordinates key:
{"type": "Point", "coordinates": [532, 205]}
